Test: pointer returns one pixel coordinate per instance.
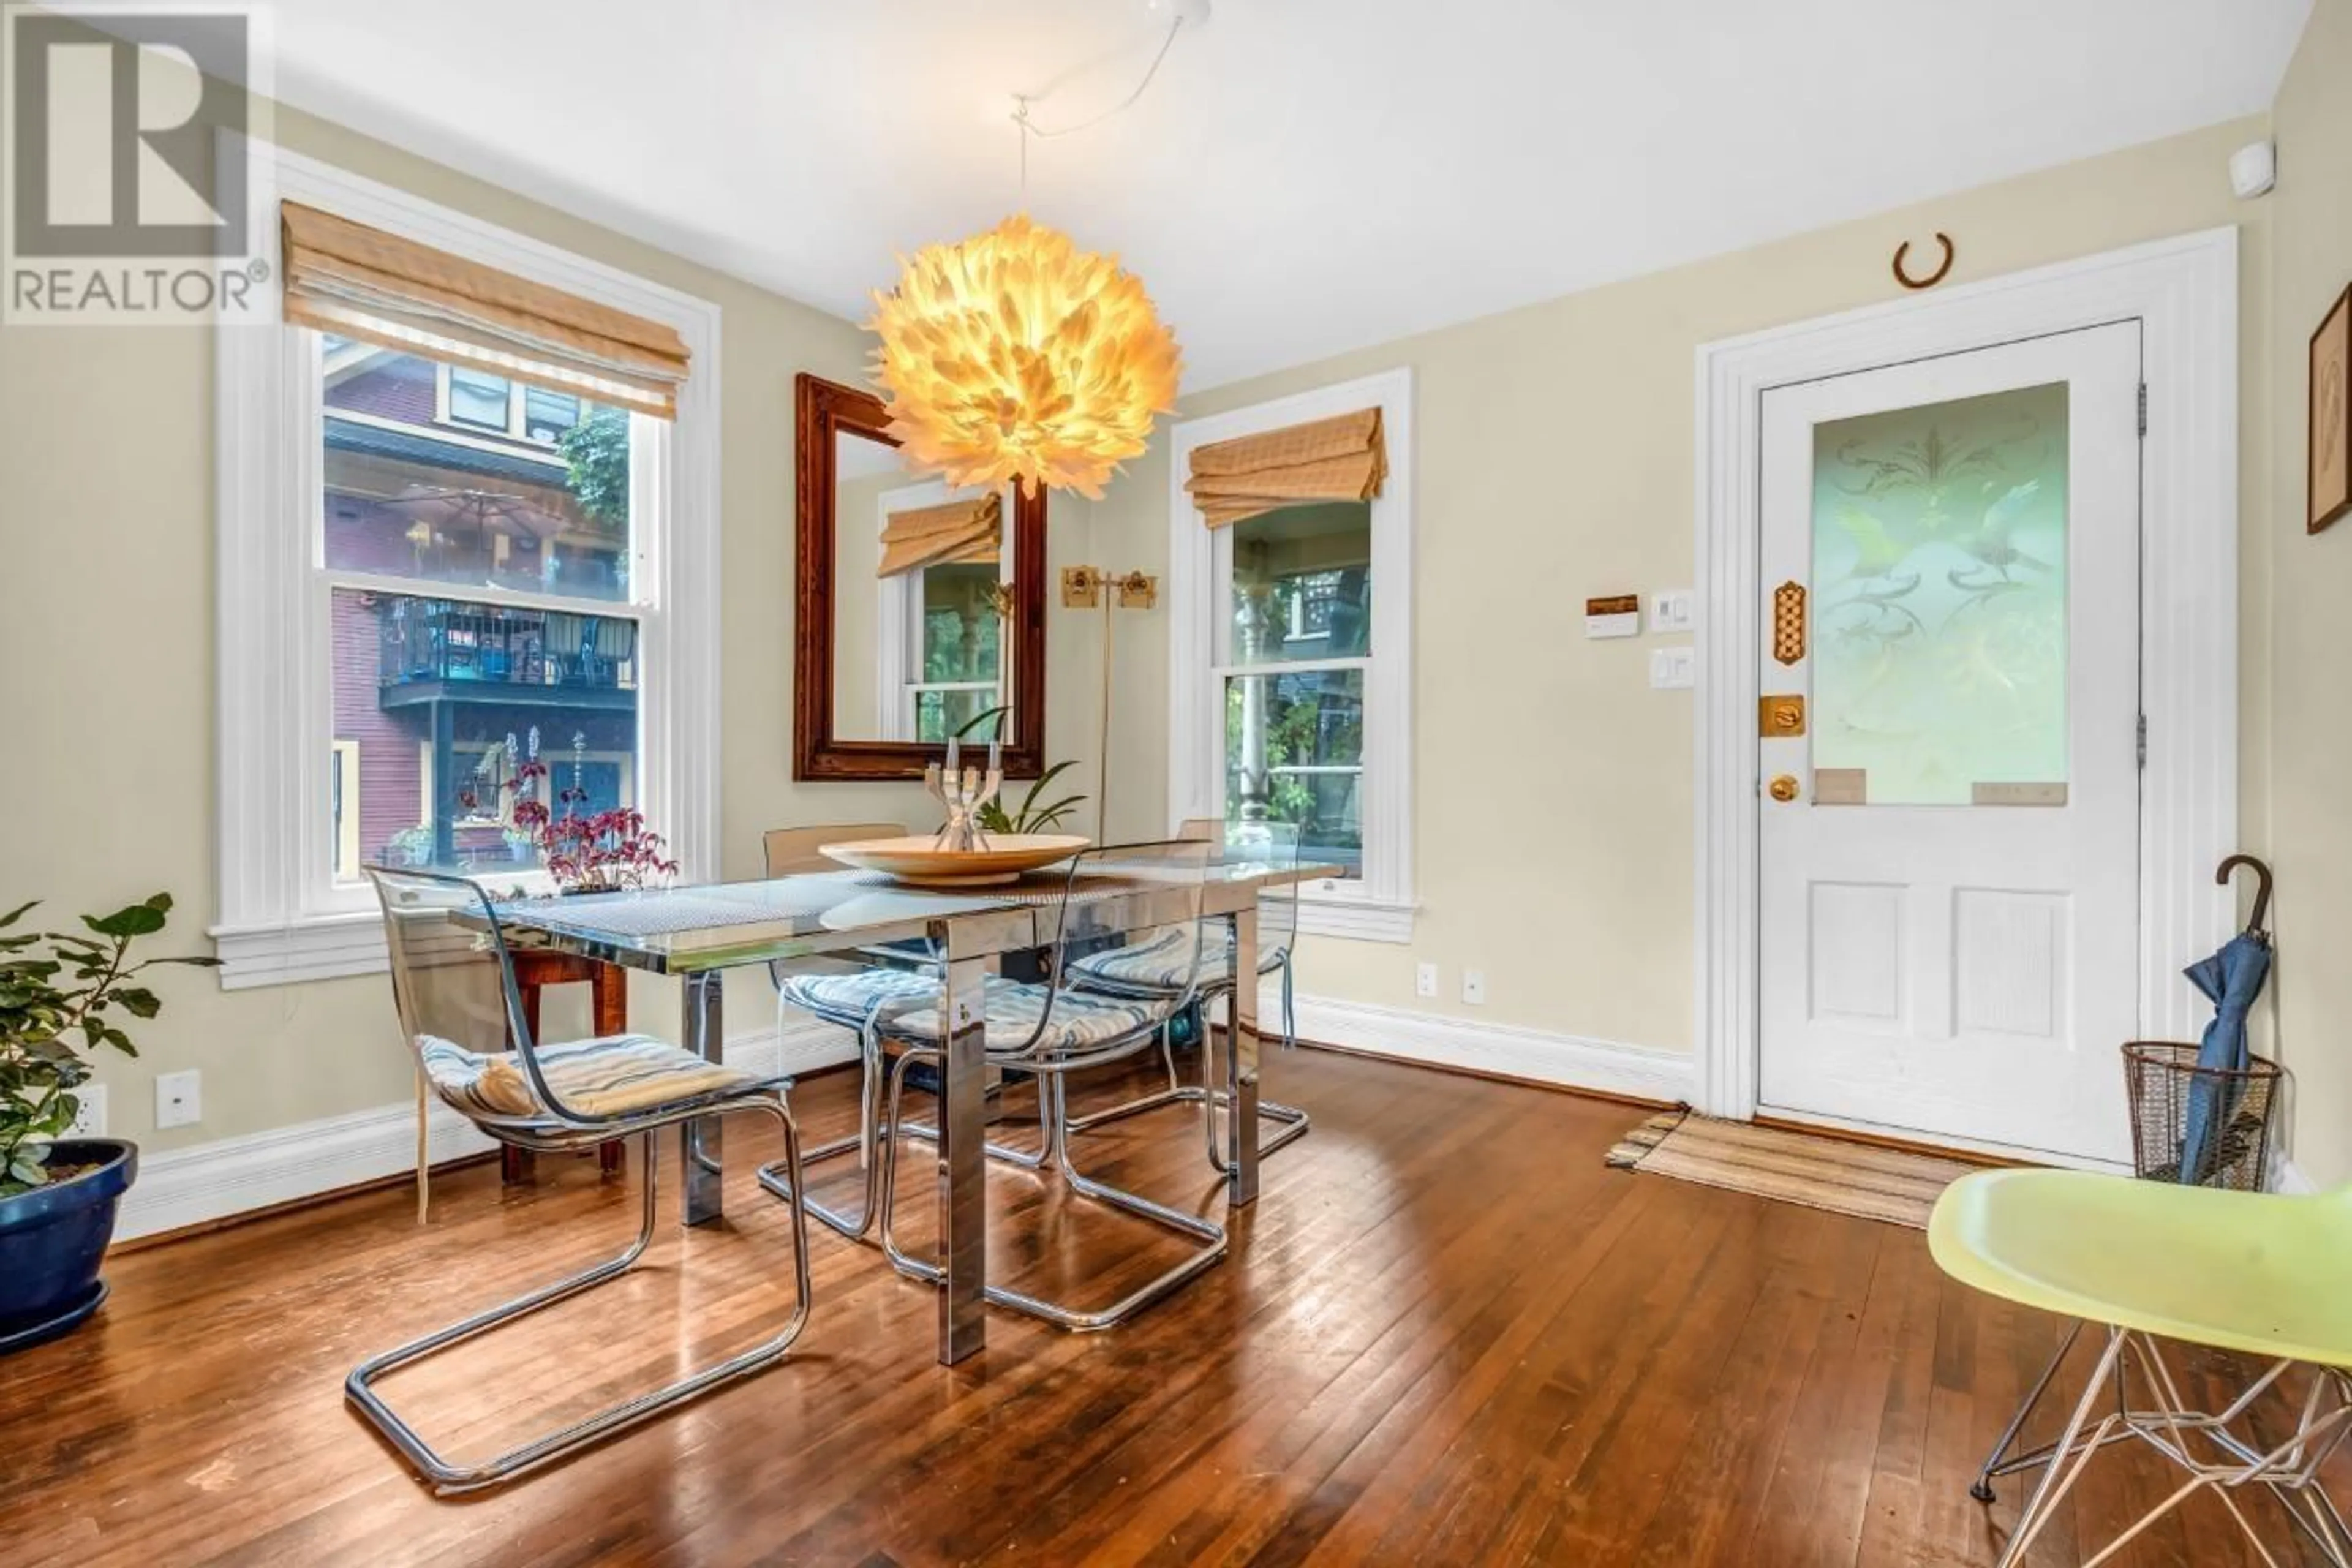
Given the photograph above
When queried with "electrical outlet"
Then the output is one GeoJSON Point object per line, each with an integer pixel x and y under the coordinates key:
{"type": "Point", "coordinates": [179, 1099]}
{"type": "Point", "coordinates": [1473, 987]}
{"type": "Point", "coordinates": [89, 1121]}
{"type": "Point", "coordinates": [1425, 980]}
{"type": "Point", "coordinates": [1673, 669]}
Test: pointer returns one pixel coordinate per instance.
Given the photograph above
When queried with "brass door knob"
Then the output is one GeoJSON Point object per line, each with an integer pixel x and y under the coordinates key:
{"type": "Point", "coordinates": [1783, 787]}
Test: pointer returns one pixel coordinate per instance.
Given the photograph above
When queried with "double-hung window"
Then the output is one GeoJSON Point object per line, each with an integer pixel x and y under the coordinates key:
{"type": "Point", "coordinates": [939, 639]}
{"type": "Point", "coordinates": [1291, 662]}
{"type": "Point", "coordinates": [439, 569]}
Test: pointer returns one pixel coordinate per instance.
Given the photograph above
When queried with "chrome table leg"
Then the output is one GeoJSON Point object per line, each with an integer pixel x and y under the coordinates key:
{"type": "Point", "coordinates": [962, 1163]}
{"type": "Point", "coordinates": [1240, 1061]}
{"type": "Point", "coordinates": [698, 1139]}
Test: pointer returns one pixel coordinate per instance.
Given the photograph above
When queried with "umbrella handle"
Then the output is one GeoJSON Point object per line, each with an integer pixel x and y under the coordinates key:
{"type": "Point", "coordinates": [2261, 889]}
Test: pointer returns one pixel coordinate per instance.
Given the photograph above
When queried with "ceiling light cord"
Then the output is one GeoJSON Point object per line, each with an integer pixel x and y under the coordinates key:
{"type": "Point", "coordinates": [1029, 127]}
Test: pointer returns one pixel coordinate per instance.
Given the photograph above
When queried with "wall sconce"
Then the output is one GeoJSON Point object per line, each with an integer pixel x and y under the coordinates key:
{"type": "Point", "coordinates": [1082, 589]}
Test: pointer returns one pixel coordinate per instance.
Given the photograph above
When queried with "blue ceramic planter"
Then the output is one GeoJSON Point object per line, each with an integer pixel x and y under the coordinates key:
{"type": "Point", "coordinates": [53, 1238]}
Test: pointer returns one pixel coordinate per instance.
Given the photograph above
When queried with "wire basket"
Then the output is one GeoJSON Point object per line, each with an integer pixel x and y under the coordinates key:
{"type": "Point", "coordinates": [2166, 1082]}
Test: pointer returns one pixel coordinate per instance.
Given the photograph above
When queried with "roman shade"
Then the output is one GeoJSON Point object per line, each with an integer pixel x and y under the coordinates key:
{"type": "Point", "coordinates": [1340, 458]}
{"type": "Point", "coordinates": [355, 281]}
{"type": "Point", "coordinates": [938, 535]}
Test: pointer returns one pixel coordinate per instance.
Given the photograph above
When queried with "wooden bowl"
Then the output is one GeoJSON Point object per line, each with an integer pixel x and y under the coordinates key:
{"type": "Point", "coordinates": [913, 861]}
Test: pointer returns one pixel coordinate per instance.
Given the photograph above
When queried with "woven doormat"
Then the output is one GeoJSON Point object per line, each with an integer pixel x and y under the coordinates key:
{"type": "Point", "coordinates": [1831, 1173]}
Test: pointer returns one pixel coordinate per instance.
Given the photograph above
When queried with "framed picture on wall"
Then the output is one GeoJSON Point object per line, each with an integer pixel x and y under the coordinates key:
{"type": "Point", "coordinates": [2330, 457]}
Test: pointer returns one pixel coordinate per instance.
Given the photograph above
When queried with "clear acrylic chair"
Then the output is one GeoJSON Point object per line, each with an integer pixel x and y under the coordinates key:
{"type": "Point", "coordinates": [1053, 1032]}
{"type": "Point", "coordinates": [847, 991]}
{"type": "Point", "coordinates": [1149, 971]}
{"type": "Point", "coordinates": [453, 981]}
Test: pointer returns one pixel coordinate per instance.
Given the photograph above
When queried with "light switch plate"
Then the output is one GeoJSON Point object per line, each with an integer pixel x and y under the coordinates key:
{"type": "Point", "coordinates": [1671, 610]}
{"type": "Point", "coordinates": [1673, 669]}
{"type": "Point", "coordinates": [179, 1099]}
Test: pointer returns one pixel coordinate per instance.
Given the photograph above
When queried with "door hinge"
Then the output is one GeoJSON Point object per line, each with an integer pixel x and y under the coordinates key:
{"type": "Point", "coordinates": [2143, 742]}
{"type": "Point", "coordinates": [2143, 408]}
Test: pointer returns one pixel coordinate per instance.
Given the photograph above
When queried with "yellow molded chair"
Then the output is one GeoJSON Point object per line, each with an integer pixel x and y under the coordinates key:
{"type": "Point", "coordinates": [2260, 1274]}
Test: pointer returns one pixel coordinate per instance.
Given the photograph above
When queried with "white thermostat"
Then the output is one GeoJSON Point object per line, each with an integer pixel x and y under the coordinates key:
{"type": "Point", "coordinates": [1613, 616]}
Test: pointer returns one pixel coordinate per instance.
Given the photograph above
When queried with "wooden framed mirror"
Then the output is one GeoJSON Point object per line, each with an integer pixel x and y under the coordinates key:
{"type": "Point", "coordinates": [919, 607]}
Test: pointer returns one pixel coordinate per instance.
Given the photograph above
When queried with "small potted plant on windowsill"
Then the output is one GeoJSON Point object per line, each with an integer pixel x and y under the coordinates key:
{"type": "Point", "coordinates": [60, 994]}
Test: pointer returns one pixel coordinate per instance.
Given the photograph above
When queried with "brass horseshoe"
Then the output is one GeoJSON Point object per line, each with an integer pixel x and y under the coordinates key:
{"type": "Point", "coordinates": [1932, 278]}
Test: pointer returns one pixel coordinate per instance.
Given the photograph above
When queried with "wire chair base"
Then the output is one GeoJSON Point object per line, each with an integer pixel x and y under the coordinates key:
{"type": "Point", "coordinates": [450, 1478]}
{"type": "Point", "coordinates": [2207, 1447]}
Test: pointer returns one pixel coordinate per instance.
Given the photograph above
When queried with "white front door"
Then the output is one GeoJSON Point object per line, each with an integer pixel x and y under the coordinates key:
{"type": "Point", "coordinates": [1950, 850]}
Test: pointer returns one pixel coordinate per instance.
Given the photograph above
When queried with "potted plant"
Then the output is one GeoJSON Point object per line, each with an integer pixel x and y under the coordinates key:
{"type": "Point", "coordinates": [60, 994]}
{"type": "Point", "coordinates": [596, 852]}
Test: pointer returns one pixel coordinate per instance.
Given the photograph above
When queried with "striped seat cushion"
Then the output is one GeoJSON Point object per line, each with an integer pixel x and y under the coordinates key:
{"type": "Point", "coordinates": [1079, 1023]}
{"type": "Point", "coordinates": [1162, 961]}
{"type": "Point", "coordinates": [849, 998]}
{"type": "Point", "coordinates": [612, 1075]}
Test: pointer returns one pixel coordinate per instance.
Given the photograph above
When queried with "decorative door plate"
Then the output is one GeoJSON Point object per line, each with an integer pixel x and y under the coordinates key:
{"type": "Point", "coordinates": [1789, 622]}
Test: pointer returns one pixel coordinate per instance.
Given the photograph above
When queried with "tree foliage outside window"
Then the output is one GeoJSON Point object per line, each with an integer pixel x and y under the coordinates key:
{"type": "Point", "coordinates": [596, 451]}
{"type": "Point", "coordinates": [1307, 729]}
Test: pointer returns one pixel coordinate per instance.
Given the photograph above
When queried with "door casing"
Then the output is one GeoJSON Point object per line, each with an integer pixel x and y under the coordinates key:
{"type": "Point", "coordinates": [2184, 292]}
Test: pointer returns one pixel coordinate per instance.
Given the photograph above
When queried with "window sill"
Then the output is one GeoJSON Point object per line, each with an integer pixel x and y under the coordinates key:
{"type": "Point", "coordinates": [1354, 920]}
{"type": "Point", "coordinates": [315, 947]}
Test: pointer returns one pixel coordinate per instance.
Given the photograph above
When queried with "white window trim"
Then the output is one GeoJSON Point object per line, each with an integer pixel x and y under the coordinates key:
{"type": "Point", "coordinates": [1381, 905]}
{"type": "Point", "coordinates": [897, 621]}
{"type": "Point", "coordinates": [279, 920]}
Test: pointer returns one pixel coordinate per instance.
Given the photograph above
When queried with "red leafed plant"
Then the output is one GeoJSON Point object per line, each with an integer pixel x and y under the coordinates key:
{"type": "Point", "coordinates": [601, 852]}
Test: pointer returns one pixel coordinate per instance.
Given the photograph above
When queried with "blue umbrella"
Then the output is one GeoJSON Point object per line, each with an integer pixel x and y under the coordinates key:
{"type": "Point", "coordinates": [2231, 979]}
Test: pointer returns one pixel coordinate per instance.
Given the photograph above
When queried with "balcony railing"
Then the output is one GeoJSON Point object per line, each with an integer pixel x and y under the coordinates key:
{"type": "Point", "coordinates": [500, 652]}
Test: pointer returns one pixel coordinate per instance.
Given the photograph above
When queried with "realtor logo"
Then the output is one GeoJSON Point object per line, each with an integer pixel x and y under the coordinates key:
{"type": "Point", "coordinates": [132, 193]}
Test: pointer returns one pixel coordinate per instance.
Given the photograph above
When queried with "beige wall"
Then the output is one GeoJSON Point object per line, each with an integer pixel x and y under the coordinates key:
{"type": "Point", "coordinates": [1555, 452]}
{"type": "Point", "coordinates": [2307, 620]}
{"type": "Point", "coordinates": [106, 648]}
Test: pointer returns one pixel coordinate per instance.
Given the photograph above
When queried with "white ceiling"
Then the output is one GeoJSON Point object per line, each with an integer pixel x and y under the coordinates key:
{"type": "Point", "coordinates": [1305, 176]}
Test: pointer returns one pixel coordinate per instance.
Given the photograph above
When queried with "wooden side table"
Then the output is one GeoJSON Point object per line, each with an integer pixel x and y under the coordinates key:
{"type": "Point", "coordinates": [608, 989]}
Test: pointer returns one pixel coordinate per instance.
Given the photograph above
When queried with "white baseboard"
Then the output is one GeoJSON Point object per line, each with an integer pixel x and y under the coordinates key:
{"type": "Point", "coordinates": [1512, 1050]}
{"type": "Point", "coordinates": [207, 1182]}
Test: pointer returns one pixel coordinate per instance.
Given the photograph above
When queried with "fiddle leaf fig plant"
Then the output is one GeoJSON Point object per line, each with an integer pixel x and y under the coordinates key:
{"type": "Point", "coordinates": [61, 994]}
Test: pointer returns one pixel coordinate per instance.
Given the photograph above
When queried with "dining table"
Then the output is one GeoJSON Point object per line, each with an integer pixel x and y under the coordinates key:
{"type": "Point", "coordinates": [696, 933]}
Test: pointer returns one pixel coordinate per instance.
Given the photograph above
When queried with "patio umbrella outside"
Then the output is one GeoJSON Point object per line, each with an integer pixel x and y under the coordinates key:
{"type": "Point", "coordinates": [2231, 979]}
{"type": "Point", "coordinates": [480, 512]}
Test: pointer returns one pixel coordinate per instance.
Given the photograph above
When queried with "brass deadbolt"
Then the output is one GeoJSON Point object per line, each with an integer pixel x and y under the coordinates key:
{"type": "Point", "coordinates": [1780, 716]}
{"type": "Point", "coordinates": [1783, 787]}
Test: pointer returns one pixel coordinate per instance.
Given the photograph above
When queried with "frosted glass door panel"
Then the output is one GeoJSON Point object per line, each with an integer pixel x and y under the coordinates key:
{"type": "Point", "coordinates": [1939, 600]}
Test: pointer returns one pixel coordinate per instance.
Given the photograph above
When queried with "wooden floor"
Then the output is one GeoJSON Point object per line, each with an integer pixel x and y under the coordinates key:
{"type": "Point", "coordinates": [1446, 1334]}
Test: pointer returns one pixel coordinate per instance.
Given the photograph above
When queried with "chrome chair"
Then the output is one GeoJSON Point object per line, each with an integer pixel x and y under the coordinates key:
{"type": "Point", "coordinates": [1147, 971]}
{"type": "Point", "coordinates": [453, 981]}
{"type": "Point", "coordinates": [846, 993]}
{"type": "Point", "coordinates": [1052, 1032]}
